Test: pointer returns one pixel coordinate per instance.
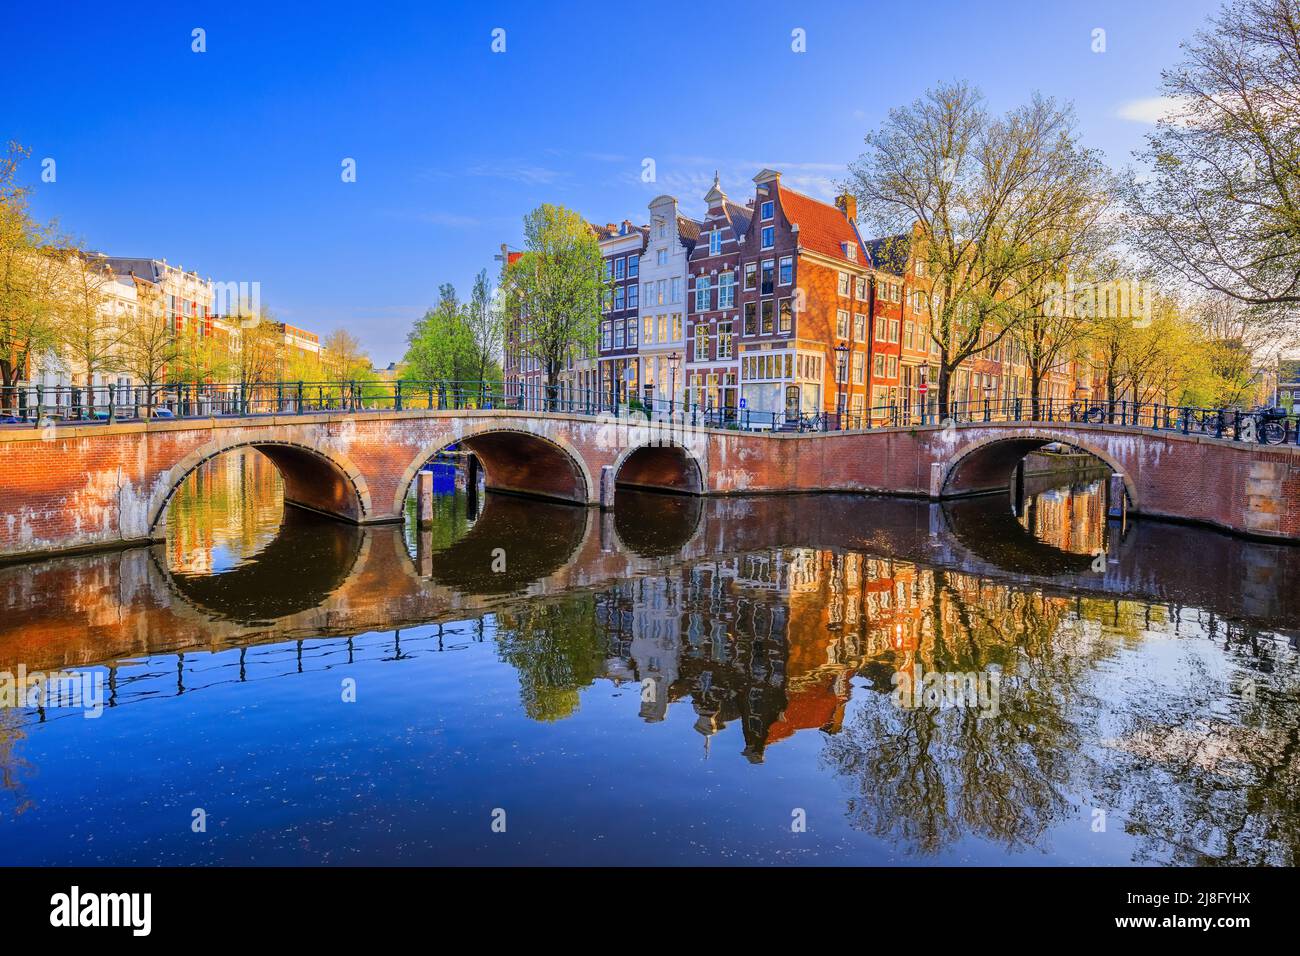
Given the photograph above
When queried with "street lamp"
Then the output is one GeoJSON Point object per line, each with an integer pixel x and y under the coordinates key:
{"type": "Point", "coordinates": [673, 361]}
{"type": "Point", "coordinates": [841, 373]}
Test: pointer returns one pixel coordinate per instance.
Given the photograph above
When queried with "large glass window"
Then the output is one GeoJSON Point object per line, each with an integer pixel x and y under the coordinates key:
{"type": "Point", "coordinates": [702, 289]}
{"type": "Point", "coordinates": [768, 277]}
{"type": "Point", "coordinates": [787, 270]}
{"type": "Point", "coordinates": [715, 242]}
{"type": "Point", "coordinates": [727, 290]}
{"type": "Point", "coordinates": [787, 315]}
{"type": "Point", "coordinates": [769, 237]}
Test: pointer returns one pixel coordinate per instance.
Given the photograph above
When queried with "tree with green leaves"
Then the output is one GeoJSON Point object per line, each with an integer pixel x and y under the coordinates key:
{"type": "Point", "coordinates": [30, 273]}
{"type": "Point", "coordinates": [556, 285]}
{"type": "Point", "coordinates": [441, 346]}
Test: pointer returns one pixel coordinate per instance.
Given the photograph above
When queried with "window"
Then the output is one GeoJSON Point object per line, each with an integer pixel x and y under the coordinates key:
{"type": "Point", "coordinates": [609, 269]}
{"type": "Point", "coordinates": [631, 333]}
{"type": "Point", "coordinates": [767, 308]}
{"type": "Point", "coordinates": [702, 287]}
{"type": "Point", "coordinates": [844, 283]}
{"type": "Point", "coordinates": [701, 342]}
{"type": "Point", "coordinates": [908, 336]}
{"type": "Point", "coordinates": [787, 315]}
{"type": "Point", "coordinates": [751, 274]}
{"type": "Point", "coordinates": [633, 266]}
{"type": "Point", "coordinates": [619, 266]}
{"type": "Point", "coordinates": [633, 295]}
{"type": "Point", "coordinates": [916, 302]}
{"type": "Point", "coordinates": [661, 257]}
{"type": "Point", "coordinates": [842, 324]}
{"type": "Point", "coordinates": [766, 210]}
{"type": "Point", "coordinates": [768, 277]}
{"type": "Point", "coordinates": [893, 330]}
{"type": "Point", "coordinates": [859, 368]}
{"type": "Point", "coordinates": [893, 366]}
{"type": "Point", "coordinates": [676, 290]}
{"type": "Point", "coordinates": [715, 242]}
{"type": "Point", "coordinates": [724, 340]}
{"type": "Point", "coordinates": [618, 335]}
{"type": "Point", "coordinates": [649, 335]}
{"type": "Point", "coordinates": [618, 299]}
{"type": "Point", "coordinates": [861, 290]}
{"type": "Point", "coordinates": [751, 319]}
{"type": "Point", "coordinates": [878, 366]}
{"type": "Point", "coordinates": [768, 236]}
{"type": "Point", "coordinates": [663, 328]}
{"type": "Point", "coordinates": [727, 290]}
{"type": "Point", "coordinates": [881, 331]}
{"type": "Point", "coordinates": [860, 327]}
{"type": "Point", "coordinates": [920, 268]}
{"type": "Point", "coordinates": [677, 326]}
{"type": "Point", "coordinates": [787, 270]}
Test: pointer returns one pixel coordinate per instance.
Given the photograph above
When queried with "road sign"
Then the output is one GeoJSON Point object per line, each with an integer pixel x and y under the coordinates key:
{"type": "Point", "coordinates": [743, 403]}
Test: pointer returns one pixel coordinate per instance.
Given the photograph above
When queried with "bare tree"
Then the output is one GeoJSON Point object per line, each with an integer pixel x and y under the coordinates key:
{"type": "Point", "coordinates": [989, 206]}
{"type": "Point", "coordinates": [89, 334]}
{"type": "Point", "coordinates": [1219, 203]}
{"type": "Point", "coordinates": [149, 347]}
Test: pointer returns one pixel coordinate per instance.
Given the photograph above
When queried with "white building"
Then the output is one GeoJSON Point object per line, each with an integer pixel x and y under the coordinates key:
{"type": "Point", "coordinates": [664, 270]}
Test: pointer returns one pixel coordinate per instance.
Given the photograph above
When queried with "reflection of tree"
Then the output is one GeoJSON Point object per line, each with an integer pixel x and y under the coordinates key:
{"type": "Point", "coordinates": [12, 766]}
{"type": "Point", "coordinates": [1210, 786]}
{"type": "Point", "coordinates": [556, 648]}
{"type": "Point", "coordinates": [927, 777]}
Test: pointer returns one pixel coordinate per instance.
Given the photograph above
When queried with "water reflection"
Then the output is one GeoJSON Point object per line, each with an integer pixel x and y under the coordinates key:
{"type": "Point", "coordinates": [702, 665]}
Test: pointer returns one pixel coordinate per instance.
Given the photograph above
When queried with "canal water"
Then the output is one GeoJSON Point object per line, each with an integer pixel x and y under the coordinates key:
{"type": "Point", "coordinates": [814, 679]}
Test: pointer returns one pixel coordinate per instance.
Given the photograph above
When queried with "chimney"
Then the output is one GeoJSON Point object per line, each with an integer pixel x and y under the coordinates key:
{"type": "Point", "coordinates": [848, 204]}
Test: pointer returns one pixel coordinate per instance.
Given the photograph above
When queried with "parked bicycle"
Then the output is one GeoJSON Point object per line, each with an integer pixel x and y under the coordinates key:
{"type": "Point", "coordinates": [1268, 425]}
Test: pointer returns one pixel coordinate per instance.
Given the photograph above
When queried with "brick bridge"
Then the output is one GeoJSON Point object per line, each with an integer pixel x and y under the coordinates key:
{"type": "Point", "coordinates": [102, 485]}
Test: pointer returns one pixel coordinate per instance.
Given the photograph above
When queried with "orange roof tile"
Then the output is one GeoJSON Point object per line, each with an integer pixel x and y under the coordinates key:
{"type": "Point", "coordinates": [822, 227]}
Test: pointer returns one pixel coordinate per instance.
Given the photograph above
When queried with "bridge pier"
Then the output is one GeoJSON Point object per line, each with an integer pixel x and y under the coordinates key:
{"type": "Point", "coordinates": [1116, 499]}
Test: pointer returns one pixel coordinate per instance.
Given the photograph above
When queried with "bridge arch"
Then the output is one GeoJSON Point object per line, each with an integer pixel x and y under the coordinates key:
{"type": "Point", "coordinates": [514, 460]}
{"type": "Point", "coordinates": [988, 464]}
{"type": "Point", "coordinates": [320, 480]}
{"type": "Point", "coordinates": [661, 466]}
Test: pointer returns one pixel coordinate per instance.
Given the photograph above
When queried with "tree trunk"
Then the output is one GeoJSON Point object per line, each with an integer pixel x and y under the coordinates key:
{"type": "Point", "coordinates": [945, 379]}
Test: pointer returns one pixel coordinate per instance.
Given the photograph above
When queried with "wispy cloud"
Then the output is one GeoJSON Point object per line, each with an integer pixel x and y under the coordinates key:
{"type": "Point", "coordinates": [517, 172]}
{"type": "Point", "coordinates": [1150, 109]}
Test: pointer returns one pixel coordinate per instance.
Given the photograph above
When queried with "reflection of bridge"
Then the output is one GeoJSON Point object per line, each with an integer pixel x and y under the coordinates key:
{"type": "Point", "coordinates": [104, 484]}
{"type": "Point", "coordinates": [79, 610]}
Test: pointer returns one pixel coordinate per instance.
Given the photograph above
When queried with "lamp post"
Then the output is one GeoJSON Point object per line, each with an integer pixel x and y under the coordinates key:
{"type": "Point", "coordinates": [673, 361]}
{"type": "Point", "coordinates": [841, 373]}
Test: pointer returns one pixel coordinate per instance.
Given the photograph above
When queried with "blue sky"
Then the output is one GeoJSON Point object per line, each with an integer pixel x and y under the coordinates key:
{"type": "Point", "coordinates": [228, 162]}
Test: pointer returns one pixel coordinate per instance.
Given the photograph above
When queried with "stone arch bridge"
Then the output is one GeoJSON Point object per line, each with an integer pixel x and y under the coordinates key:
{"type": "Point", "coordinates": [101, 485]}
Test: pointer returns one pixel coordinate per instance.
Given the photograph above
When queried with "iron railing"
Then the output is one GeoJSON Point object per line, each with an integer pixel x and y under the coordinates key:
{"type": "Point", "coordinates": [34, 405]}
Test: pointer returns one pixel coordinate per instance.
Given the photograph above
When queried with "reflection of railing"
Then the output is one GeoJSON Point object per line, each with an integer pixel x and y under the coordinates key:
{"type": "Point", "coordinates": [128, 682]}
{"type": "Point", "coordinates": [38, 405]}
